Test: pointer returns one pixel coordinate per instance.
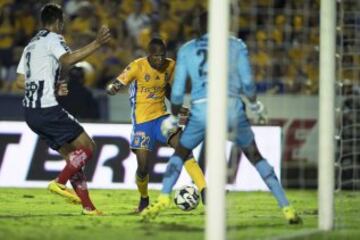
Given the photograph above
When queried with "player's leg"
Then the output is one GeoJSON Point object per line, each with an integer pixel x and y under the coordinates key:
{"type": "Point", "coordinates": [170, 177]}
{"type": "Point", "coordinates": [78, 152]}
{"type": "Point", "coordinates": [78, 182]}
{"type": "Point", "coordinates": [83, 143]}
{"type": "Point", "coordinates": [142, 142]}
{"type": "Point", "coordinates": [190, 164]}
{"type": "Point", "coordinates": [195, 172]}
{"type": "Point", "coordinates": [267, 173]}
{"type": "Point", "coordinates": [245, 140]}
{"type": "Point", "coordinates": [63, 133]}
{"type": "Point", "coordinates": [60, 188]}
{"type": "Point", "coordinates": [142, 178]}
{"type": "Point", "coordinates": [190, 138]}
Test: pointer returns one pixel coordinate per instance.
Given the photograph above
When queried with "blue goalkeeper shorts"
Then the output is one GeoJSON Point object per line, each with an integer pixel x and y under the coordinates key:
{"type": "Point", "coordinates": [145, 135]}
{"type": "Point", "coordinates": [239, 127]}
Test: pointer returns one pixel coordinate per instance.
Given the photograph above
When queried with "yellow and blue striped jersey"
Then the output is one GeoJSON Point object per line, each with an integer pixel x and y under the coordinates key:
{"type": "Point", "coordinates": [147, 88]}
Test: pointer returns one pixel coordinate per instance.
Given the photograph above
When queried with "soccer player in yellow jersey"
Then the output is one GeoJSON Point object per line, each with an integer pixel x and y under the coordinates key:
{"type": "Point", "coordinates": [149, 80]}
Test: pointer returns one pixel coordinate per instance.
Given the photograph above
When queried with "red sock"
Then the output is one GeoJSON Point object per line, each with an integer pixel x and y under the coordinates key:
{"type": "Point", "coordinates": [77, 160]}
{"type": "Point", "coordinates": [78, 181]}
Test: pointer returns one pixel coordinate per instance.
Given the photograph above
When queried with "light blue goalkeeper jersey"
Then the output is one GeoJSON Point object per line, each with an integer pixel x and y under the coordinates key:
{"type": "Point", "coordinates": [192, 62]}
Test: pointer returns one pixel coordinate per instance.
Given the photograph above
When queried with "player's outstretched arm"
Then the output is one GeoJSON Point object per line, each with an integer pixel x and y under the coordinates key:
{"type": "Point", "coordinates": [179, 83]}
{"type": "Point", "coordinates": [70, 58]}
{"type": "Point", "coordinates": [249, 88]}
{"type": "Point", "coordinates": [245, 73]}
{"type": "Point", "coordinates": [124, 79]}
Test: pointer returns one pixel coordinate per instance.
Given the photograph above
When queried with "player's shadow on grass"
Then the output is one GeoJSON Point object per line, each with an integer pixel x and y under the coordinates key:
{"type": "Point", "coordinates": [133, 213]}
{"type": "Point", "coordinates": [185, 214]}
{"type": "Point", "coordinates": [243, 226]}
{"type": "Point", "coordinates": [119, 214]}
{"type": "Point", "coordinates": [39, 215]}
{"type": "Point", "coordinates": [179, 227]}
{"type": "Point", "coordinates": [169, 227]}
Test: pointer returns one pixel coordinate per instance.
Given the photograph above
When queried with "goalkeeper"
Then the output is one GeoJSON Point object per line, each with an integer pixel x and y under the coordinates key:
{"type": "Point", "coordinates": [192, 62]}
{"type": "Point", "coordinates": [149, 81]}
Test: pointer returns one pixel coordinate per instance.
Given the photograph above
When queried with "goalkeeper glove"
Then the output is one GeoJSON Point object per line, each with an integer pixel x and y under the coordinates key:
{"type": "Point", "coordinates": [259, 109]}
{"type": "Point", "coordinates": [169, 125]}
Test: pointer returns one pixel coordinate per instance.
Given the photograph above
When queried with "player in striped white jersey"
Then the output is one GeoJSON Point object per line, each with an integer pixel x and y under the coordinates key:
{"type": "Point", "coordinates": [39, 74]}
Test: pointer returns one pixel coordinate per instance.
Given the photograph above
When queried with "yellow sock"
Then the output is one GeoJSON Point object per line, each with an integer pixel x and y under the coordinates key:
{"type": "Point", "coordinates": [195, 172]}
{"type": "Point", "coordinates": [142, 185]}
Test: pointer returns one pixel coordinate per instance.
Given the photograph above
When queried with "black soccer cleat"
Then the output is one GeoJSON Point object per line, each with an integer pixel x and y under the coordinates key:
{"type": "Point", "coordinates": [143, 203]}
{"type": "Point", "coordinates": [203, 196]}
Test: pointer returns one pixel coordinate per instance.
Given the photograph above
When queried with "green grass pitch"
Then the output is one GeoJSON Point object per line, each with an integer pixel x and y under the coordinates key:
{"type": "Point", "coordinates": [37, 214]}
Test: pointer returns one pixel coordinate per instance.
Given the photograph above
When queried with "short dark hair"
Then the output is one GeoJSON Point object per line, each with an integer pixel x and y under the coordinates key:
{"type": "Point", "coordinates": [154, 43]}
{"type": "Point", "coordinates": [50, 13]}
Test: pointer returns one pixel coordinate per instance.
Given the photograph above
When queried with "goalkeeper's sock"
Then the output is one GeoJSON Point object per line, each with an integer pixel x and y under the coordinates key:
{"type": "Point", "coordinates": [195, 172]}
{"type": "Point", "coordinates": [142, 185]}
{"type": "Point", "coordinates": [268, 175]}
{"type": "Point", "coordinates": [172, 174]}
{"type": "Point", "coordinates": [78, 181]}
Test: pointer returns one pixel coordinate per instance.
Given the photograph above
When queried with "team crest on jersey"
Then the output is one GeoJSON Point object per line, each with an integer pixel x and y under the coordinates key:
{"type": "Point", "coordinates": [147, 77]}
{"type": "Point", "coordinates": [157, 78]}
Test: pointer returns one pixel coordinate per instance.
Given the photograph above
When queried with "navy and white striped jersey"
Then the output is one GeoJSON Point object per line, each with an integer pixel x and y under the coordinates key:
{"type": "Point", "coordinates": [40, 65]}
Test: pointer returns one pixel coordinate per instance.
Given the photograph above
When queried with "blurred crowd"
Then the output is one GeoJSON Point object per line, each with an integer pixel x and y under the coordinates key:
{"type": "Point", "coordinates": [282, 36]}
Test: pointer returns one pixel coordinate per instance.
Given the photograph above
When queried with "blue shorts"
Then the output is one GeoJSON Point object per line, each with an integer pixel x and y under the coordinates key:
{"type": "Point", "coordinates": [239, 127]}
{"type": "Point", "coordinates": [145, 135]}
{"type": "Point", "coordinates": [53, 124]}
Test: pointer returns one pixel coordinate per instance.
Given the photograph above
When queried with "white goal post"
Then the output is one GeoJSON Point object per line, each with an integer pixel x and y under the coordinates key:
{"type": "Point", "coordinates": [216, 125]}
{"type": "Point", "coordinates": [327, 115]}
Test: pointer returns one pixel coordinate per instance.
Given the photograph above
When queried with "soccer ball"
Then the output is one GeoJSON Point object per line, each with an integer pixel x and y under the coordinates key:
{"type": "Point", "coordinates": [187, 198]}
